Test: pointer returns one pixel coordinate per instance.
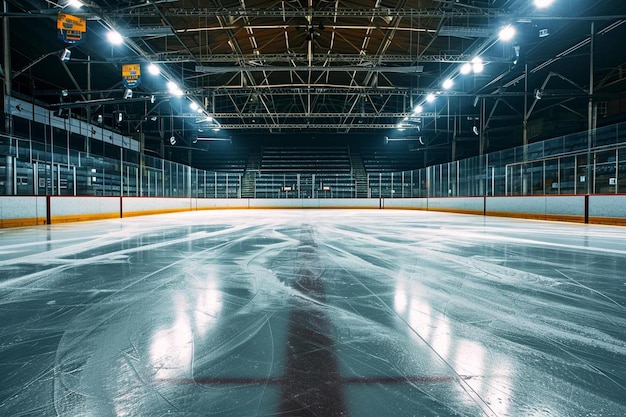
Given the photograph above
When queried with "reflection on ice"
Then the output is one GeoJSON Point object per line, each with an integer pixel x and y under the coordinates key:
{"type": "Point", "coordinates": [172, 347]}
{"type": "Point", "coordinates": [216, 313]}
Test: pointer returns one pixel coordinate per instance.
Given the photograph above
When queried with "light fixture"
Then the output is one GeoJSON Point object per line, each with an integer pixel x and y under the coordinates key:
{"type": "Point", "coordinates": [430, 98]}
{"type": "Point", "coordinates": [193, 105]}
{"type": "Point", "coordinates": [65, 55]}
{"type": "Point", "coordinates": [448, 84]}
{"type": "Point", "coordinates": [506, 33]}
{"type": "Point", "coordinates": [174, 89]}
{"type": "Point", "coordinates": [418, 109]}
{"type": "Point", "coordinates": [64, 93]}
{"type": "Point", "coordinates": [128, 93]}
{"type": "Point", "coordinates": [541, 4]}
{"type": "Point", "coordinates": [466, 68]}
{"type": "Point", "coordinates": [75, 4]}
{"type": "Point", "coordinates": [120, 116]}
{"type": "Point", "coordinates": [99, 119]}
{"type": "Point", "coordinates": [477, 65]}
{"type": "Point", "coordinates": [172, 140]}
{"type": "Point", "coordinates": [154, 69]}
{"type": "Point", "coordinates": [152, 99]}
{"type": "Point", "coordinates": [115, 38]}
{"type": "Point", "coordinates": [538, 94]}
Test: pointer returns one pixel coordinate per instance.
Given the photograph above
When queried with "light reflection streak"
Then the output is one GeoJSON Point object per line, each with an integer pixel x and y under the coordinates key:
{"type": "Point", "coordinates": [488, 378]}
{"type": "Point", "coordinates": [208, 305]}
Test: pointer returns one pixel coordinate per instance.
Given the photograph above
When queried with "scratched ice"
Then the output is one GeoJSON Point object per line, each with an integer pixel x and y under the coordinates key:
{"type": "Point", "coordinates": [313, 313]}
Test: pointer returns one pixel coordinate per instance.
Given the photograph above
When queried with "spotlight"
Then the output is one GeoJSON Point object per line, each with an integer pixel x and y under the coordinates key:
{"type": "Point", "coordinates": [541, 4]}
{"type": "Point", "coordinates": [174, 89]}
{"type": "Point", "coordinates": [64, 93]}
{"type": "Point", "coordinates": [152, 99]}
{"type": "Point", "coordinates": [538, 94]}
{"type": "Point", "coordinates": [115, 38]}
{"type": "Point", "coordinates": [154, 69]}
{"type": "Point", "coordinates": [430, 98]}
{"type": "Point", "coordinates": [65, 55]}
{"type": "Point", "coordinates": [466, 68]}
{"type": "Point", "coordinates": [447, 84]}
{"type": "Point", "coordinates": [506, 33]}
{"type": "Point", "coordinates": [172, 140]}
{"type": "Point", "coordinates": [99, 119]}
{"type": "Point", "coordinates": [418, 109]}
{"type": "Point", "coordinates": [128, 93]}
{"type": "Point", "coordinates": [477, 65]}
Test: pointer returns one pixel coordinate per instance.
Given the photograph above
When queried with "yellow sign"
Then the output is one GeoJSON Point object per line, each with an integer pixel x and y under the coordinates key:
{"type": "Point", "coordinates": [71, 23]}
{"type": "Point", "coordinates": [131, 75]}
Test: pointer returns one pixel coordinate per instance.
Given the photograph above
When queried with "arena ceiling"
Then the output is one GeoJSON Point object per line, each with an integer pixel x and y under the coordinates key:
{"type": "Point", "coordinates": [331, 66]}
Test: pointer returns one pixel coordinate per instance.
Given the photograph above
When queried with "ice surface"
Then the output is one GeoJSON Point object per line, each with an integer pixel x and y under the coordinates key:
{"type": "Point", "coordinates": [313, 313]}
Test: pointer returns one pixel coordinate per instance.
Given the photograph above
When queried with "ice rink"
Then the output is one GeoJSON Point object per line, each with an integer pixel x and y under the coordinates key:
{"type": "Point", "coordinates": [313, 313]}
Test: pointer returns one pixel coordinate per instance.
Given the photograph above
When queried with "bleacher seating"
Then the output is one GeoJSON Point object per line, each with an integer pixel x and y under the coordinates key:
{"type": "Point", "coordinates": [389, 159]}
{"type": "Point", "coordinates": [308, 160]}
{"type": "Point", "coordinates": [222, 158]}
{"type": "Point", "coordinates": [305, 172]}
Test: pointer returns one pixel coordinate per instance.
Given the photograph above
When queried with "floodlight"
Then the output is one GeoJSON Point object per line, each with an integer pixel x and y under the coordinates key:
{"type": "Point", "coordinates": [448, 84]}
{"type": "Point", "coordinates": [466, 68]}
{"type": "Point", "coordinates": [506, 33]}
{"type": "Point", "coordinates": [154, 69]}
{"type": "Point", "coordinates": [193, 105]}
{"type": "Point", "coordinates": [115, 38]}
{"type": "Point", "coordinates": [430, 98]}
{"type": "Point", "coordinates": [174, 89]}
{"type": "Point", "coordinates": [477, 65]}
{"type": "Point", "coordinates": [541, 4]}
{"type": "Point", "coordinates": [76, 4]}
{"type": "Point", "coordinates": [128, 93]}
{"type": "Point", "coordinates": [64, 93]}
{"type": "Point", "coordinates": [418, 109]}
{"type": "Point", "coordinates": [172, 140]}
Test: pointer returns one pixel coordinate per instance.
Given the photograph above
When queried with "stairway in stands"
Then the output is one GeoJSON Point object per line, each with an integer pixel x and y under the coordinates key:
{"type": "Point", "coordinates": [252, 168]}
{"type": "Point", "coordinates": [360, 176]}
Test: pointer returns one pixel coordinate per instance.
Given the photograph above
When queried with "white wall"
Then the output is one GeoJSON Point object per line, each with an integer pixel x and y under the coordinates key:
{"type": "Point", "coordinates": [607, 209]}
{"type": "Point", "coordinates": [137, 206]}
{"type": "Point", "coordinates": [22, 211]}
{"type": "Point", "coordinates": [568, 208]}
{"type": "Point", "coordinates": [31, 210]}
{"type": "Point", "coordinates": [72, 209]}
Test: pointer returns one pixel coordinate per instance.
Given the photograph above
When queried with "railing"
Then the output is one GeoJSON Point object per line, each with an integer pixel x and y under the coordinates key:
{"type": "Point", "coordinates": [564, 165]}
{"type": "Point", "coordinates": [556, 166]}
{"type": "Point", "coordinates": [304, 186]}
{"type": "Point", "coordinates": [32, 168]}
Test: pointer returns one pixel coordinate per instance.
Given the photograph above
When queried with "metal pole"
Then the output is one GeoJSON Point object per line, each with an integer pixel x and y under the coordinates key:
{"type": "Point", "coordinates": [87, 138]}
{"type": "Point", "coordinates": [590, 110]}
{"type": "Point", "coordinates": [8, 118]}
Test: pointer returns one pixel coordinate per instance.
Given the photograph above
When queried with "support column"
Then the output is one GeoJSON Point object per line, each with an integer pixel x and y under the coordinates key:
{"type": "Point", "coordinates": [590, 118]}
{"type": "Point", "coordinates": [6, 67]}
{"type": "Point", "coordinates": [9, 175]}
